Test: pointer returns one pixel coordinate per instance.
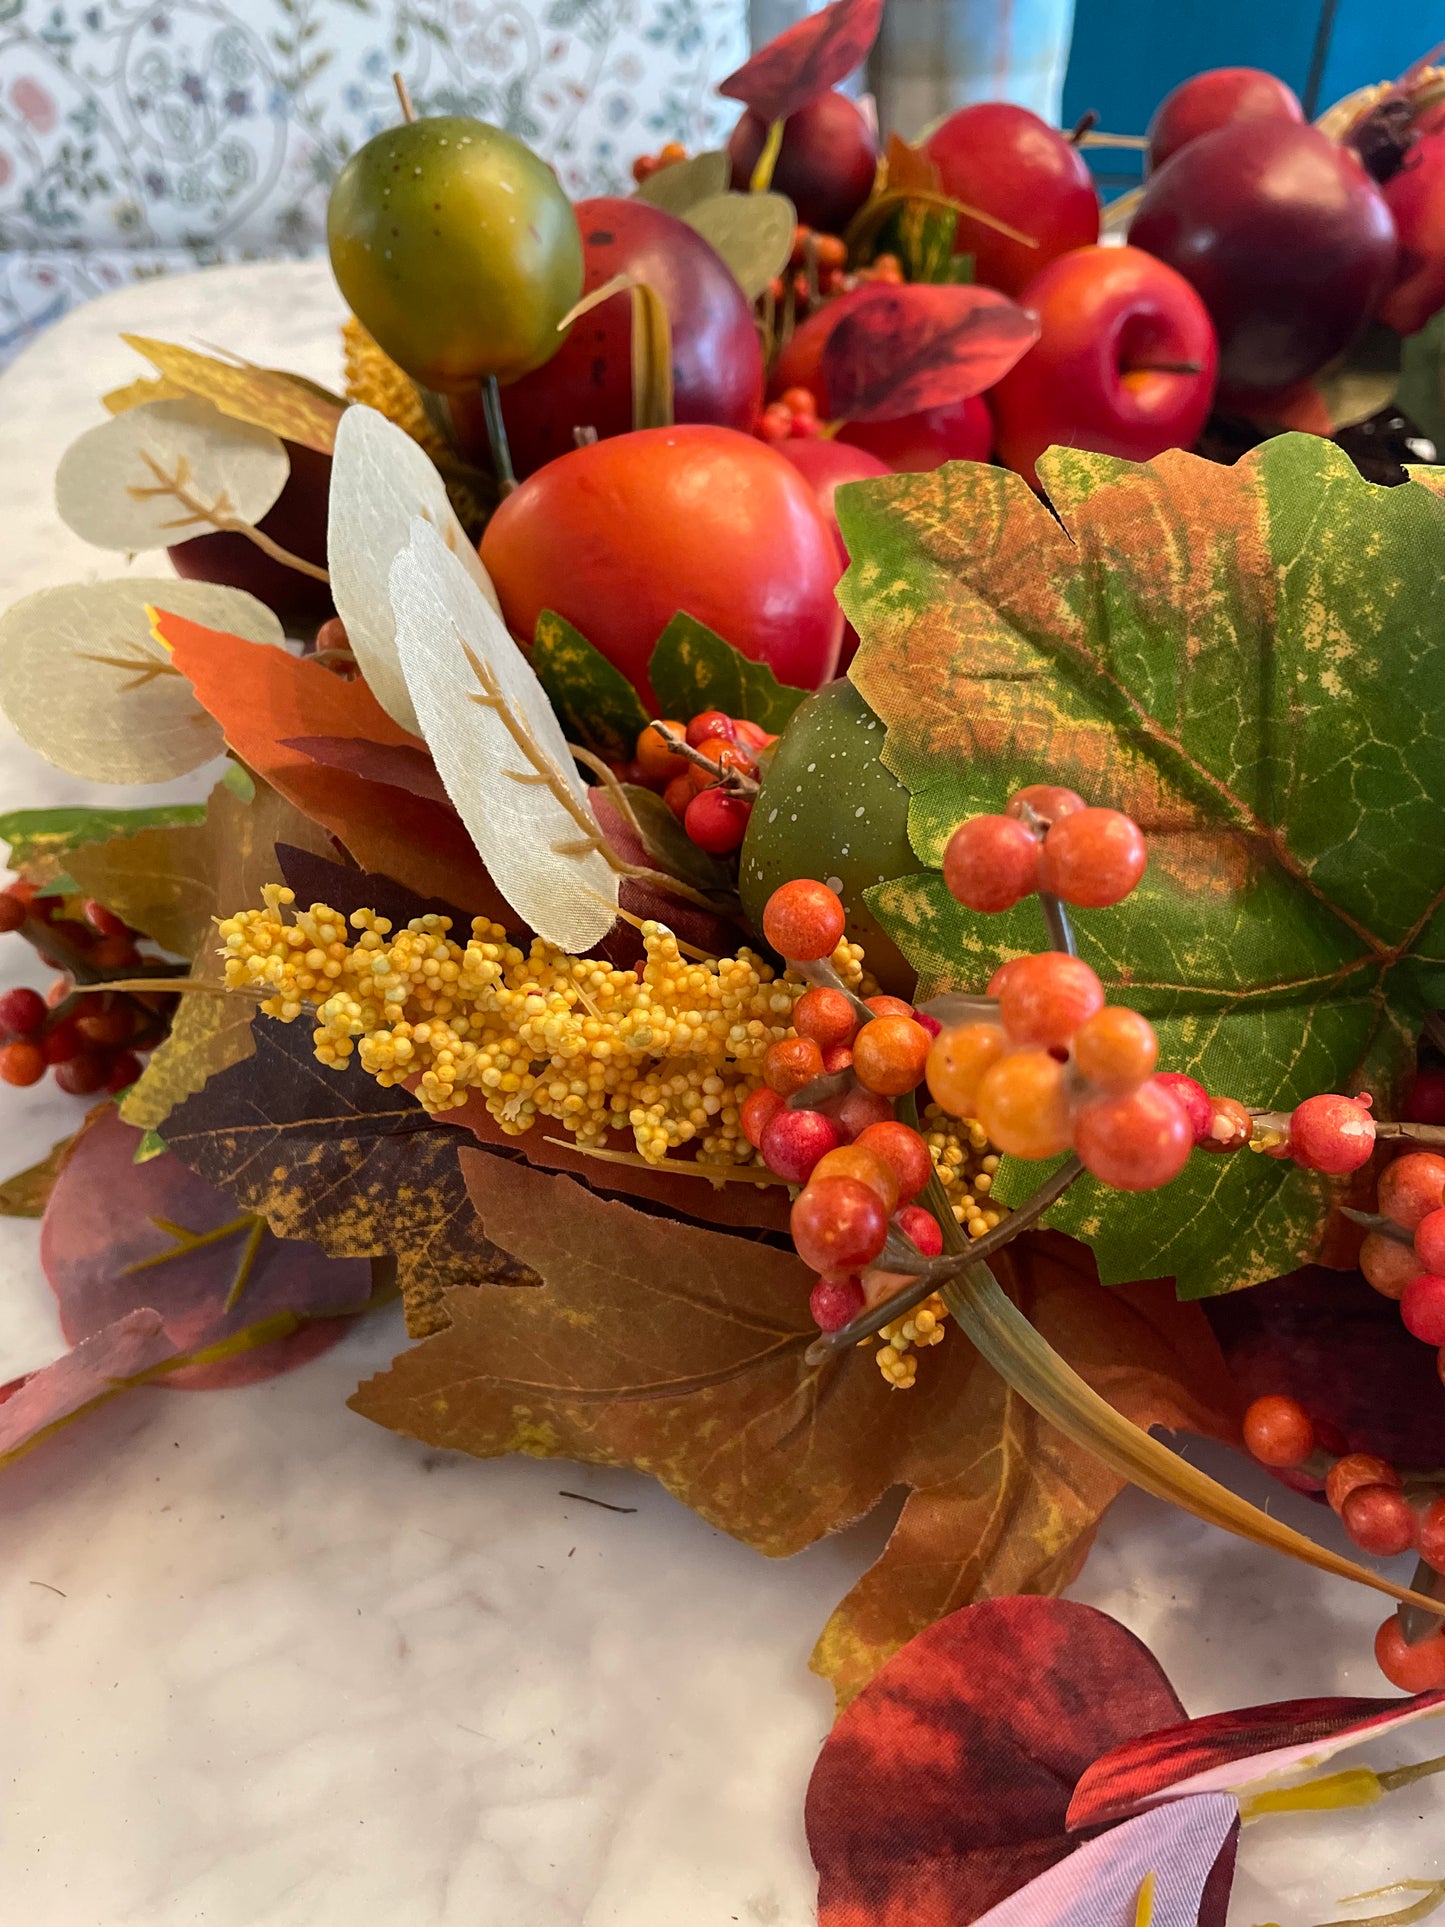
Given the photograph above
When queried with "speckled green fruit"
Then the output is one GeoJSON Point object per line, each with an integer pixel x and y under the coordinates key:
{"type": "Point", "coordinates": [456, 249]}
{"type": "Point", "coordinates": [829, 809]}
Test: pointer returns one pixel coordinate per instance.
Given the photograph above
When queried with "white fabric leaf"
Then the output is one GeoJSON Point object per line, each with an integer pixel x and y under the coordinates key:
{"type": "Point", "coordinates": [85, 682]}
{"type": "Point", "coordinates": [138, 480]}
{"type": "Point", "coordinates": [440, 613]}
{"type": "Point", "coordinates": [380, 480]}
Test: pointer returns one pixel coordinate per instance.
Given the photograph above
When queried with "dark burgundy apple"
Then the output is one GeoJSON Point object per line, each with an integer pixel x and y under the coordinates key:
{"type": "Point", "coordinates": [1007, 162]}
{"type": "Point", "coordinates": [825, 165]}
{"type": "Point", "coordinates": [1415, 196]}
{"type": "Point", "coordinates": [297, 520]}
{"type": "Point", "coordinates": [1286, 239]}
{"type": "Point", "coordinates": [1206, 101]}
{"type": "Point", "coordinates": [717, 359]}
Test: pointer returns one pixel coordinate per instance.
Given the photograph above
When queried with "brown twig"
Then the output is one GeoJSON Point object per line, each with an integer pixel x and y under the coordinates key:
{"type": "Point", "coordinates": [217, 514]}
{"type": "Point", "coordinates": [735, 781]}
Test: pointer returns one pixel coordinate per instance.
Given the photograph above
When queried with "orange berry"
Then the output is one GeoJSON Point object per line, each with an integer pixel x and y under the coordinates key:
{"type": "Point", "coordinates": [1387, 1264]}
{"type": "Point", "coordinates": [756, 1113]}
{"type": "Point", "coordinates": [832, 251]}
{"type": "Point", "coordinates": [1048, 801]}
{"type": "Point", "coordinates": [804, 920]}
{"type": "Point", "coordinates": [1356, 1469]}
{"type": "Point", "coordinates": [1115, 1048]}
{"type": "Point", "coordinates": [658, 763]}
{"type": "Point", "coordinates": [790, 1064]}
{"type": "Point", "coordinates": [866, 1167]}
{"type": "Point", "coordinates": [890, 1055]}
{"type": "Point", "coordinates": [1044, 998]}
{"type": "Point", "coordinates": [901, 1147]}
{"type": "Point", "coordinates": [799, 401]}
{"type": "Point", "coordinates": [957, 1062]}
{"type": "Point", "coordinates": [679, 793]}
{"type": "Point", "coordinates": [889, 1007]}
{"type": "Point", "coordinates": [1023, 1105]}
{"type": "Point", "coordinates": [825, 1015]}
{"type": "Point", "coordinates": [1279, 1431]}
{"type": "Point", "coordinates": [1413, 1669]}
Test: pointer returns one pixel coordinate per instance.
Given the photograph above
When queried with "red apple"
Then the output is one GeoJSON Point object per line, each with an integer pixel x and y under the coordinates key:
{"type": "Point", "coordinates": [1287, 240]}
{"type": "Point", "coordinates": [297, 520]}
{"type": "Point", "coordinates": [619, 536]}
{"type": "Point", "coordinates": [717, 360]}
{"type": "Point", "coordinates": [1124, 365]}
{"type": "Point", "coordinates": [1206, 101]}
{"type": "Point", "coordinates": [825, 466]}
{"type": "Point", "coordinates": [1011, 164]}
{"type": "Point", "coordinates": [962, 431]}
{"type": "Point", "coordinates": [1415, 197]}
{"type": "Point", "coordinates": [826, 164]}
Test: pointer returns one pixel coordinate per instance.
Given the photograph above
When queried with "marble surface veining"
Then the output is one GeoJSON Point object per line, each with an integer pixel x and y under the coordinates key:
{"type": "Point", "coordinates": [265, 1665]}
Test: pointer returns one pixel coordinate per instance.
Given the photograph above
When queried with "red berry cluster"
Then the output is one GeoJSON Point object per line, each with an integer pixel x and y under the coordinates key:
{"type": "Point", "coordinates": [89, 1041]}
{"type": "Point", "coordinates": [646, 165]}
{"type": "Point", "coordinates": [711, 792]}
{"type": "Point", "coordinates": [792, 417]}
{"type": "Point", "coordinates": [1047, 839]}
{"type": "Point", "coordinates": [861, 1167]}
{"type": "Point", "coordinates": [1405, 1258]}
{"type": "Point", "coordinates": [819, 263]}
{"type": "Point", "coordinates": [1383, 1513]}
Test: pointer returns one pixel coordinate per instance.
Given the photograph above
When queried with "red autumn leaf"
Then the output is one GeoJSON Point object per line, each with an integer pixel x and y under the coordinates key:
{"type": "Point", "coordinates": [945, 1786]}
{"type": "Point", "coordinates": [264, 699]}
{"type": "Point", "coordinates": [806, 59]}
{"type": "Point", "coordinates": [899, 350]}
{"type": "Point", "coordinates": [402, 766]}
{"type": "Point", "coordinates": [108, 1215]}
{"type": "Point", "coordinates": [1326, 1339]}
{"type": "Point", "coordinates": [96, 1369]}
{"type": "Point", "coordinates": [316, 879]}
{"type": "Point", "coordinates": [1232, 1749]}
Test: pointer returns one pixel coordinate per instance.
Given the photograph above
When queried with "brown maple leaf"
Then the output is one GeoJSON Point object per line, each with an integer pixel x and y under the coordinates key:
{"type": "Point", "coordinates": [678, 1350]}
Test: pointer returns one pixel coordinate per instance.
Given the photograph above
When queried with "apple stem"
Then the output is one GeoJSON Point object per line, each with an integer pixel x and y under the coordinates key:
{"type": "Point", "coordinates": [1085, 123]}
{"type": "Point", "coordinates": [403, 94]}
{"type": "Point", "coordinates": [497, 435]}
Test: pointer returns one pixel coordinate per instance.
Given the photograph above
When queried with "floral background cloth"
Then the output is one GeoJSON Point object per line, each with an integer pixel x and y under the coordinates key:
{"type": "Point", "coordinates": [142, 135]}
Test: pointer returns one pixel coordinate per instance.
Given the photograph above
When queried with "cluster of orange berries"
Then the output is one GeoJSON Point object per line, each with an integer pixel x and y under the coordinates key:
{"type": "Point", "coordinates": [792, 417]}
{"type": "Point", "coordinates": [646, 165]}
{"type": "Point", "coordinates": [820, 261]}
{"type": "Point", "coordinates": [1384, 1513]}
{"type": "Point", "coordinates": [1404, 1256]}
{"type": "Point", "coordinates": [1047, 839]}
{"type": "Point", "coordinates": [712, 796]}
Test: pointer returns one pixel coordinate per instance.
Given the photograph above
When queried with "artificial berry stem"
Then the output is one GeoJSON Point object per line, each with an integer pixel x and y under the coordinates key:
{"type": "Point", "coordinates": [1401, 1128]}
{"type": "Point", "coordinates": [931, 1274]}
{"type": "Point", "coordinates": [820, 971]}
{"type": "Point", "coordinates": [737, 782]}
{"type": "Point", "coordinates": [1056, 922]}
{"type": "Point", "coordinates": [1415, 1623]}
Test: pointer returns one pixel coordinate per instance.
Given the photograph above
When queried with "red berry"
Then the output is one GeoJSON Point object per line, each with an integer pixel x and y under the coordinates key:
{"type": "Point", "coordinates": [890, 1007]}
{"type": "Point", "coordinates": [835, 1301]}
{"type": "Point", "coordinates": [890, 1054]}
{"type": "Point", "coordinates": [124, 1070]}
{"type": "Point", "coordinates": [1388, 1264]}
{"type": "Point", "coordinates": [1136, 1142]}
{"type": "Point", "coordinates": [1355, 1470]}
{"type": "Point", "coordinates": [1045, 998]}
{"type": "Point", "coordinates": [799, 401]}
{"type": "Point", "coordinates": [1414, 1669]}
{"type": "Point", "coordinates": [1193, 1100]}
{"type": "Point", "coordinates": [22, 1012]}
{"type": "Point", "coordinates": [752, 735]}
{"type": "Point", "coordinates": [756, 1112]}
{"type": "Point", "coordinates": [1047, 801]}
{"type": "Point", "coordinates": [83, 1074]}
{"type": "Point", "coordinates": [826, 1016]}
{"type": "Point", "coordinates": [921, 1227]}
{"type": "Point", "coordinates": [61, 1043]}
{"type": "Point", "coordinates": [1278, 1431]}
{"type": "Point", "coordinates": [57, 993]}
{"type": "Point", "coordinates": [113, 953]}
{"type": "Point", "coordinates": [1429, 1235]}
{"type": "Point", "coordinates": [105, 921]}
{"type": "Point", "coordinates": [710, 722]}
{"type": "Point", "coordinates": [837, 1057]}
{"type": "Point", "coordinates": [1432, 1534]}
{"type": "Point", "coordinates": [852, 1161]}
{"type": "Point", "coordinates": [790, 1064]}
{"type": "Point", "coordinates": [901, 1146]}
{"type": "Point", "coordinates": [855, 1110]}
{"type": "Point", "coordinates": [22, 1063]}
{"type": "Point", "coordinates": [1412, 1187]}
{"type": "Point", "coordinates": [838, 1224]}
{"type": "Point", "coordinates": [13, 910]}
{"type": "Point", "coordinates": [804, 920]}
{"type": "Point", "coordinates": [716, 821]}
{"type": "Point", "coordinates": [105, 1027]}
{"type": "Point", "coordinates": [991, 863]}
{"type": "Point", "coordinates": [1331, 1133]}
{"type": "Point", "coordinates": [1093, 858]}
{"type": "Point", "coordinates": [1426, 1101]}
{"type": "Point", "coordinates": [1380, 1520]}
{"type": "Point", "coordinates": [793, 1142]}
{"type": "Point", "coordinates": [1232, 1129]}
{"type": "Point", "coordinates": [1422, 1307]}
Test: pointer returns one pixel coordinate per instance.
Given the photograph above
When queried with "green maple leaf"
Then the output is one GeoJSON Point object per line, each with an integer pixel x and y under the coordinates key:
{"type": "Point", "coordinates": [1251, 662]}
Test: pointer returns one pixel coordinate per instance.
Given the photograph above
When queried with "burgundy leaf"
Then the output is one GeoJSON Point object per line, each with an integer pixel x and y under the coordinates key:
{"type": "Point", "coordinates": [899, 350]}
{"type": "Point", "coordinates": [1325, 1338]}
{"type": "Point", "coordinates": [806, 59]}
{"type": "Point", "coordinates": [98, 1367]}
{"type": "Point", "coordinates": [344, 888]}
{"type": "Point", "coordinates": [1098, 1885]}
{"type": "Point", "coordinates": [108, 1214]}
{"type": "Point", "coordinates": [1232, 1749]}
{"type": "Point", "coordinates": [400, 766]}
{"type": "Point", "coordinates": [945, 1786]}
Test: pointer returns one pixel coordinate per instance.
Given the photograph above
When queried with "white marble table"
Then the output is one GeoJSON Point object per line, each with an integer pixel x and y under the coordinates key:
{"type": "Point", "coordinates": [264, 1665]}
